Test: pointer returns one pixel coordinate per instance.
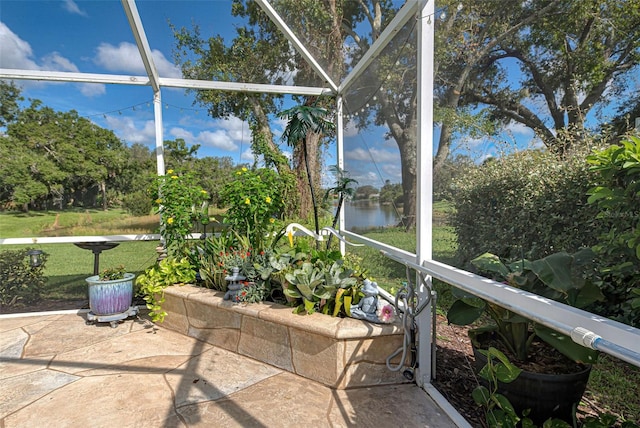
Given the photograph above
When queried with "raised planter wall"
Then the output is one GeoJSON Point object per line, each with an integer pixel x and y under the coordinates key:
{"type": "Point", "coordinates": [338, 352]}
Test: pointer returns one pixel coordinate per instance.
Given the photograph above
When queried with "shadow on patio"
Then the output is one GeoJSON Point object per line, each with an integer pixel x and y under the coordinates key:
{"type": "Point", "coordinates": [57, 371]}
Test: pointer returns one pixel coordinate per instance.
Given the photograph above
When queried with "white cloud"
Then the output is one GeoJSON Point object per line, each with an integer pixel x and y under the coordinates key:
{"type": "Point", "coordinates": [237, 129]}
{"type": "Point", "coordinates": [379, 156]}
{"type": "Point", "coordinates": [517, 128]}
{"type": "Point", "coordinates": [218, 139]}
{"type": "Point", "coordinates": [126, 58]}
{"type": "Point", "coordinates": [247, 156]}
{"type": "Point", "coordinates": [130, 131]}
{"type": "Point", "coordinates": [392, 172]}
{"type": "Point", "coordinates": [92, 89]}
{"type": "Point", "coordinates": [72, 7]}
{"type": "Point", "coordinates": [187, 136]}
{"type": "Point", "coordinates": [367, 178]}
{"type": "Point", "coordinates": [350, 129]}
{"type": "Point", "coordinates": [15, 52]}
{"type": "Point", "coordinates": [55, 61]}
{"type": "Point", "coordinates": [228, 134]}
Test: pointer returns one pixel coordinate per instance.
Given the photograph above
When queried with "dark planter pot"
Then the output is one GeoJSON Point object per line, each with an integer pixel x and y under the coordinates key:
{"type": "Point", "coordinates": [547, 395]}
{"type": "Point", "coordinates": [110, 297]}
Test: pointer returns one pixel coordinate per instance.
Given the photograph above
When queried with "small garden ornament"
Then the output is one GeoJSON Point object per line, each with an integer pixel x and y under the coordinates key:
{"type": "Point", "coordinates": [367, 307]}
{"type": "Point", "coordinates": [235, 285]}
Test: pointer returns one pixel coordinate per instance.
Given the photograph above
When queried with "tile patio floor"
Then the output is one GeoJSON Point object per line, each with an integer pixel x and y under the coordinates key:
{"type": "Point", "coordinates": [56, 371]}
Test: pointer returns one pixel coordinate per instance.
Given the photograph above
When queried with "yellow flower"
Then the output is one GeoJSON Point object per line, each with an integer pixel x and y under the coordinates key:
{"type": "Point", "coordinates": [204, 192]}
{"type": "Point", "coordinates": [272, 220]}
{"type": "Point", "coordinates": [247, 201]}
{"type": "Point", "coordinates": [174, 176]}
{"type": "Point", "coordinates": [158, 201]}
{"type": "Point", "coordinates": [244, 169]}
{"type": "Point", "coordinates": [170, 171]}
{"type": "Point", "coordinates": [268, 200]}
{"type": "Point", "coordinates": [170, 220]}
{"type": "Point", "coordinates": [238, 172]}
{"type": "Point", "coordinates": [290, 235]}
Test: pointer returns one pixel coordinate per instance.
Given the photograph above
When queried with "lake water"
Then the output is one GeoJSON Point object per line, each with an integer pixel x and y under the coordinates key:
{"type": "Point", "coordinates": [365, 215]}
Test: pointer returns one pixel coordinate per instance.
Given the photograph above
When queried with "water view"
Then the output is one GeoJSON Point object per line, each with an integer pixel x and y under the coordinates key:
{"type": "Point", "coordinates": [366, 215]}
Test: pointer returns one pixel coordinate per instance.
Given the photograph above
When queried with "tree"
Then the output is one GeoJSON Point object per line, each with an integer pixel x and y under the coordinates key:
{"type": "Point", "coordinates": [257, 57]}
{"type": "Point", "coordinates": [74, 159]}
{"type": "Point", "coordinates": [573, 61]}
{"type": "Point", "coordinates": [178, 155]}
{"type": "Point", "coordinates": [260, 53]}
{"type": "Point", "coordinates": [466, 34]}
{"type": "Point", "coordinates": [391, 193]}
{"type": "Point", "coordinates": [9, 102]}
{"type": "Point", "coordinates": [365, 192]}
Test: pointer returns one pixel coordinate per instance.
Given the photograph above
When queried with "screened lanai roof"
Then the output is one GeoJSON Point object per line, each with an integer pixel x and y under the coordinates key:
{"type": "Point", "coordinates": [212, 18]}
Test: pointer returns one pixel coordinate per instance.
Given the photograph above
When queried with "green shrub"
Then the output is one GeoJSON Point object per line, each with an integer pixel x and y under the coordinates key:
{"type": "Point", "coordinates": [137, 203]}
{"type": "Point", "coordinates": [256, 199]}
{"type": "Point", "coordinates": [526, 205]}
{"type": "Point", "coordinates": [20, 284]}
{"type": "Point", "coordinates": [617, 197]}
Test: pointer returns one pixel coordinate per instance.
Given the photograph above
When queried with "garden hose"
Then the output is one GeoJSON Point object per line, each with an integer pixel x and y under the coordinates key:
{"type": "Point", "coordinates": [407, 308]}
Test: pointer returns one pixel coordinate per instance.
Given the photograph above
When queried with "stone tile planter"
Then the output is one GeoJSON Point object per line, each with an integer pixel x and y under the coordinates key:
{"type": "Point", "coordinates": [338, 352]}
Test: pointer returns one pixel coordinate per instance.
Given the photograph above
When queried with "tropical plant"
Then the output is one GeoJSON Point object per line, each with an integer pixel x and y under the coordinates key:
{"type": "Point", "coordinates": [562, 277]}
{"type": "Point", "coordinates": [167, 272]}
{"type": "Point", "coordinates": [500, 413]}
{"type": "Point", "coordinates": [343, 286]}
{"type": "Point", "coordinates": [176, 198]}
{"type": "Point", "coordinates": [304, 120]}
{"type": "Point", "coordinates": [343, 188]}
{"type": "Point", "coordinates": [306, 283]}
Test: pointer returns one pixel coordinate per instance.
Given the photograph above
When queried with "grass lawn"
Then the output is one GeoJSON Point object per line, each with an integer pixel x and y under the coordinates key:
{"type": "Point", "coordinates": [74, 223]}
{"type": "Point", "coordinates": [67, 265]}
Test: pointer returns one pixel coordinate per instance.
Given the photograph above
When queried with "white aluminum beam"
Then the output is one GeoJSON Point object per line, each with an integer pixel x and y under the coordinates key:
{"type": "Point", "coordinates": [297, 44]}
{"type": "Point", "coordinates": [66, 76]}
{"type": "Point", "coordinates": [159, 135]}
{"type": "Point", "coordinates": [244, 87]}
{"type": "Point", "coordinates": [340, 157]}
{"type": "Point", "coordinates": [131, 10]}
{"type": "Point", "coordinates": [405, 13]}
{"type": "Point", "coordinates": [73, 239]}
{"type": "Point", "coordinates": [424, 188]}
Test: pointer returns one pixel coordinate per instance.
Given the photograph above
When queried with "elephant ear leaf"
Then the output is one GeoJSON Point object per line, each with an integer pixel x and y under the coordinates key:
{"type": "Point", "coordinates": [462, 313]}
{"type": "Point", "coordinates": [555, 271]}
{"type": "Point", "coordinates": [488, 262]}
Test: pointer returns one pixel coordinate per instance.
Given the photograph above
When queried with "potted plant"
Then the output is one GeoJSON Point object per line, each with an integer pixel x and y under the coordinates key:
{"type": "Point", "coordinates": [111, 295]}
{"type": "Point", "coordinates": [561, 277]}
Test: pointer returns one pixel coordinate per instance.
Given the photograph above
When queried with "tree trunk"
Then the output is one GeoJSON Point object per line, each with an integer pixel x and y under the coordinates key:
{"type": "Point", "coordinates": [103, 191]}
{"type": "Point", "coordinates": [408, 159]}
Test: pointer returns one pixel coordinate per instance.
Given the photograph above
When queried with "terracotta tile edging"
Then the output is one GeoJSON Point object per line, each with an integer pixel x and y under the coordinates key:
{"type": "Point", "coordinates": [338, 352]}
